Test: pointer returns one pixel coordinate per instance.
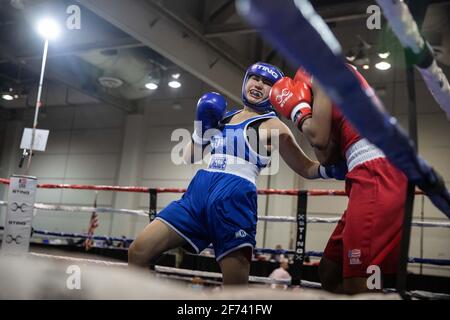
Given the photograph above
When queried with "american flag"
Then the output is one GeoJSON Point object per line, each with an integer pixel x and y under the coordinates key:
{"type": "Point", "coordinates": [355, 253]}
{"type": "Point", "coordinates": [93, 224]}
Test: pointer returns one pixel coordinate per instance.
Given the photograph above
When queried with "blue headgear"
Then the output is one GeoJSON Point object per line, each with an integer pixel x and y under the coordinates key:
{"type": "Point", "coordinates": [266, 71]}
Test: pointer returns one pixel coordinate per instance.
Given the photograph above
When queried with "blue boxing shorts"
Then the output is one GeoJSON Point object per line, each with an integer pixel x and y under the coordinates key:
{"type": "Point", "coordinates": [217, 208]}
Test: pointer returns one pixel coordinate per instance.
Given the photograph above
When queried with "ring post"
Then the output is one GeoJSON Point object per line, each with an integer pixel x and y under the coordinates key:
{"type": "Point", "coordinates": [302, 203]}
{"type": "Point", "coordinates": [418, 12]}
{"type": "Point", "coordinates": [152, 205]}
{"type": "Point", "coordinates": [19, 215]}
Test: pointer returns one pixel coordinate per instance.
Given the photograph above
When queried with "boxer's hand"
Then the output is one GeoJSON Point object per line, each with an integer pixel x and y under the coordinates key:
{"type": "Point", "coordinates": [336, 171]}
{"type": "Point", "coordinates": [211, 108]}
{"type": "Point", "coordinates": [303, 76]}
{"type": "Point", "coordinates": [292, 99]}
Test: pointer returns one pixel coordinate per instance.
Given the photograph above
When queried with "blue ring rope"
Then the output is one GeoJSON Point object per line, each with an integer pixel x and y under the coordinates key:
{"type": "Point", "coordinates": [439, 262]}
{"type": "Point", "coordinates": [301, 36]}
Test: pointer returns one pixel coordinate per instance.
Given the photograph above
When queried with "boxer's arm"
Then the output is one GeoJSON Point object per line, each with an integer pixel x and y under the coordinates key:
{"type": "Point", "coordinates": [330, 155]}
{"type": "Point", "coordinates": [291, 152]}
{"type": "Point", "coordinates": [317, 129]}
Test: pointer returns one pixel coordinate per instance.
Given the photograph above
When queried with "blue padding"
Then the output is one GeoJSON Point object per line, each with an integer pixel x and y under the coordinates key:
{"type": "Point", "coordinates": [440, 262]}
{"type": "Point", "coordinates": [79, 235]}
{"type": "Point", "coordinates": [298, 41]}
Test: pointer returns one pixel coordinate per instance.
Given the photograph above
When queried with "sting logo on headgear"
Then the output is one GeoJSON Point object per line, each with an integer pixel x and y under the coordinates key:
{"type": "Point", "coordinates": [268, 72]}
{"type": "Point", "coordinates": [272, 72]}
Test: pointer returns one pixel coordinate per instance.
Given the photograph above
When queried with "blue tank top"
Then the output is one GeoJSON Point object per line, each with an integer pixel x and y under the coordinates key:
{"type": "Point", "coordinates": [233, 148]}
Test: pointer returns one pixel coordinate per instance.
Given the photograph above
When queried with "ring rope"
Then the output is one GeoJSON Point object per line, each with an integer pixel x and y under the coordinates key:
{"type": "Point", "coordinates": [80, 260]}
{"type": "Point", "coordinates": [160, 269]}
{"type": "Point", "coordinates": [144, 213]}
{"type": "Point", "coordinates": [190, 279]}
{"type": "Point", "coordinates": [79, 235]}
{"type": "Point", "coordinates": [439, 262]}
{"type": "Point", "coordinates": [52, 207]}
{"type": "Point", "coordinates": [324, 60]}
{"type": "Point", "coordinates": [415, 223]}
{"type": "Point", "coordinates": [217, 275]}
{"type": "Point", "coordinates": [405, 28]}
{"type": "Point", "coordinates": [170, 271]}
{"type": "Point", "coordinates": [290, 192]}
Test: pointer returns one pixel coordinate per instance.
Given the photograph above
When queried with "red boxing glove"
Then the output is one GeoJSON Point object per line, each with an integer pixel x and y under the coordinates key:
{"type": "Point", "coordinates": [303, 76]}
{"type": "Point", "coordinates": [292, 99]}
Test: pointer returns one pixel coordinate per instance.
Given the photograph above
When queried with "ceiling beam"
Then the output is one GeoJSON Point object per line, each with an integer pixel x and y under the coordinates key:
{"type": "Point", "coordinates": [165, 33]}
{"type": "Point", "coordinates": [223, 13]}
{"type": "Point", "coordinates": [70, 73]}
{"type": "Point", "coordinates": [196, 29]}
{"type": "Point", "coordinates": [220, 30]}
{"type": "Point", "coordinates": [110, 44]}
{"type": "Point", "coordinates": [76, 79]}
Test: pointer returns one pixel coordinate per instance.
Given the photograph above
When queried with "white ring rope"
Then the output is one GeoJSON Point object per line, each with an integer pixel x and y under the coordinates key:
{"type": "Point", "coordinates": [184, 278]}
{"type": "Point", "coordinates": [143, 213]}
{"type": "Point", "coordinates": [159, 269]}
{"type": "Point", "coordinates": [52, 207]}
{"type": "Point", "coordinates": [80, 260]}
{"type": "Point", "coordinates": [438, 84]}
{"type": "Point", "coordinates": [180, 274]}
{"type": "Point", "coordinates": [217, 275]}
{"type": "Point", "coordinates": [415, 223]}
{"type": "Point", "coordinates": [406, 30]}
{"type": "Point", "coordinates": [403, 24]}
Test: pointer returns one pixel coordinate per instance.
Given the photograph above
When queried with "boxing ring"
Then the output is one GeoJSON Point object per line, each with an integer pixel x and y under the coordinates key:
{"type": "Point", "coordinates": [38, 275]}
{"type": "Point", "coordinates": [297, 254]}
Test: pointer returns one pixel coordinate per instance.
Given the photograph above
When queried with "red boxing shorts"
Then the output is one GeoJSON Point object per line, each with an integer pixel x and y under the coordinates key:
{"type": "Point", "coordinates": [370, 230]}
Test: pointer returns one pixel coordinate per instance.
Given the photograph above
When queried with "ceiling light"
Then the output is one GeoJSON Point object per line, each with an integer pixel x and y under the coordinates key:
{"type": "Point", "coordinates": [110, 82]}
{"type": "Point", "coordinates": [151, 86]}
{"type": "Point", "coordinates": [176, 76]}
{"type": "Point", "coordinates": [383, 65]}
{"type": "Point", "coordinates": [384, 55]}
{"type": "Point", "coordinates": [48, 29]}
{"type": "Point", "coordinates": [174, 84]}
{"type": "Point", "coordinates": [7, 97]}
{"type": "Point", "coordinates": [366, 67]}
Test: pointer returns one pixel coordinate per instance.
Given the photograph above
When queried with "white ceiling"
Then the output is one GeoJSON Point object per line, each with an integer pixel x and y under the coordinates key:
{"type": "Point", "coordinates": [203, 39]}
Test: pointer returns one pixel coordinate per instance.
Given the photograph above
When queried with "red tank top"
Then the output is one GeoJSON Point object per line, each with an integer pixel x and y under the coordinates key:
{"type": "Point", "coordinates": [341, 129]}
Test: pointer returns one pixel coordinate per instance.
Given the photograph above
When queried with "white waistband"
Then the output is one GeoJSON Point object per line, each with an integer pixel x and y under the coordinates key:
{"type": "Point", "coordinates": [360, 152]}
{"type": "Point", "coordinates": [233, 165]}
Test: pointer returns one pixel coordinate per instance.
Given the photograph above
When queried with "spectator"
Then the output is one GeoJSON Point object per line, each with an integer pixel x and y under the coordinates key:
{"type": "Point", "coordinates": [281, 274]}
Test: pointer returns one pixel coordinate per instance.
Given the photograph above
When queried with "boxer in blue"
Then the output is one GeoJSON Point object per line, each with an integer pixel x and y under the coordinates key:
{"type": "Point", "coordinates": [220, 204]}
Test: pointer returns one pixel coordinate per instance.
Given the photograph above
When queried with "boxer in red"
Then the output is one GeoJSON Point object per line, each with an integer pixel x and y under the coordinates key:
{"type": "Point", "coordinates": [369, 231]}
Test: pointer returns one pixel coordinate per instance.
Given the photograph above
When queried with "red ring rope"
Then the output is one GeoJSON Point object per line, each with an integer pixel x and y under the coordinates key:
{"type": "Point", "coordinates": [290, 192]}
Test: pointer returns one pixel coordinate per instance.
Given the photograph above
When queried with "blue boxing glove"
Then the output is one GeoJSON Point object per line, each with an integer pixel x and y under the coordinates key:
{"type": "Point", "coordinates": [336, 171]}
{"type": "Point", "coordinates": [211, 108]}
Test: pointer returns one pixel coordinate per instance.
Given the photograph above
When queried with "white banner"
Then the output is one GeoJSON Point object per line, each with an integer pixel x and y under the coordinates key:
{"type": "Point", "coordinates": [19, 216]}
{"type": "Point", "coordinates": [40, 139]}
